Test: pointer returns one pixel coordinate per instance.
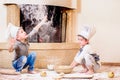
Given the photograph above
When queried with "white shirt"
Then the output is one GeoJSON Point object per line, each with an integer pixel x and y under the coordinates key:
{"type": "Point", "coordinates": [80, 55]}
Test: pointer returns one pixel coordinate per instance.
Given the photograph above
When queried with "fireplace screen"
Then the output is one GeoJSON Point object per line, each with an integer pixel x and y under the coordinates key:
{"type": "Point", "coordinates": [53, 31]}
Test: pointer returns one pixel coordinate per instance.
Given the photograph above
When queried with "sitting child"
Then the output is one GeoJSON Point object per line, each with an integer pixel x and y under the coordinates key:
{"type": "Point", "coordinates": [85, 56]}
{"type": "Point", "coordinates": [19, 44]}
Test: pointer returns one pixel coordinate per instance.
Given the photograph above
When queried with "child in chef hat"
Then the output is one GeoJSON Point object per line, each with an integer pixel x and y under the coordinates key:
{"type": "Point", "coordinates": [85, 56]}
{"type": "Point", "coordinates": [19, 44]}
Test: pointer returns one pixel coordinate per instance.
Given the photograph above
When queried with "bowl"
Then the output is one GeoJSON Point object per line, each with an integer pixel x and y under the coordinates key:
{"type": "Point", "coordinates": [50, 67]}
{"type": "Point", "coordinates": [63, 69]}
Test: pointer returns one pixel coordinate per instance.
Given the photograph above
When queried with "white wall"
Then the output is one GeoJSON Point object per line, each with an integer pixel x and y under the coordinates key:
{"type": "Point", "coordinates": [3, 22]}
{"type": "Point", "coordinates": [105, 16]}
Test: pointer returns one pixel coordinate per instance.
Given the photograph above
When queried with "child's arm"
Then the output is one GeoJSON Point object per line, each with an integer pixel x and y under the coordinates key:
{"type": "Point", "coordinates": [73, 64]}
{"type": "Point", "coordinates": [40, 24]}
{"type": "Point", "coordinates": [36, 28]}
{"type": "Point", "coordinates": [12, 42]}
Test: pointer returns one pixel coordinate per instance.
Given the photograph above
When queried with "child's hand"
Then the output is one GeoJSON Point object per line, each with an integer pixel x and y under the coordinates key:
{"type": "Point", "coordinates": [44, 20]}
{"type": "Point", "coordinates": [12, 41]}
{"type": "Point", "coordinates": [41, 23]}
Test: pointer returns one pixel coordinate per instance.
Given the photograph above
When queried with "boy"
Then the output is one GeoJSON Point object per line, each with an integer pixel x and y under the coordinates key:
{"type": "Point", "coordinates": [19, 44]}
{"type": "Point", "coordinates": [84, 56]}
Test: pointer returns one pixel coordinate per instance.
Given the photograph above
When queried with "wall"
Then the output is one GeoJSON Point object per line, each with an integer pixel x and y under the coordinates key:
{"type": "Point", "coordinates": [105, 16]}
{"type": "Point", "coordinates": [3, 21]}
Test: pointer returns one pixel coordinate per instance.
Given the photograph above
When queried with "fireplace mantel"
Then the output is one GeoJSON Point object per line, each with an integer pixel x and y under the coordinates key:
{"type": "Point", "coordinates": [46, 46]}
{"type": "Point", "coordinates": [63, 3]}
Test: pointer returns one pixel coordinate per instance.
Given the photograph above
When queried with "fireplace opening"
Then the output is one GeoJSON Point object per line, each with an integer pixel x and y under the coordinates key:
{"type": "Point", "coordinates": [53, 31]}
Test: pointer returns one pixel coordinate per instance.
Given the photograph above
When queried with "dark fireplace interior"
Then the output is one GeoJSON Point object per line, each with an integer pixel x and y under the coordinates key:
{"type": "Point", "coordinates": [53, 31]}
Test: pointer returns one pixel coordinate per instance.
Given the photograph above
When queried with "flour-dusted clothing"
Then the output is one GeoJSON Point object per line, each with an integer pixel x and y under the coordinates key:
{"type": "Point", "coordinates": [80, 55]}
{"type": "Point", "coordinates": [22, 57]}
{"type": "Point", "coordinates": [21, 49]}
{"type": "Point", "coordinates": [23, 62]}
{"type": "Point", "coordinates": [84, 57]}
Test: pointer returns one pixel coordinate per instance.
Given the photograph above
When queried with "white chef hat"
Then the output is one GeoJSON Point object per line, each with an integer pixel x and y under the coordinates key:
{"type": "Point", "coordinates": [11, 31]}
{"type": "Point", "coordinates": [87, 31]}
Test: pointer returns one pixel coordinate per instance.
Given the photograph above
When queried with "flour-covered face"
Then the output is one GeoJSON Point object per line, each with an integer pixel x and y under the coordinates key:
{"type": "Point", "coordinates": [21, 34]}
{"type": "Point", "coordinates": [82, 41]}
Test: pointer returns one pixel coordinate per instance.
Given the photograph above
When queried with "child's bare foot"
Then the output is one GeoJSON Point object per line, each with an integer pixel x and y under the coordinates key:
{"type": "Point", "coordinates": [84, 71]}
{"type": "Point", "coordinates": [31, 72]}
{"type": "Point", "coordinates": [89, 72]}
{"type": "Point", "coordinates": [17, 73]}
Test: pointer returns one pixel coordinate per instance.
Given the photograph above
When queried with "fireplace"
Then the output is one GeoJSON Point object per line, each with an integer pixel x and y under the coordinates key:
{"type": "Point", "coordinates": [53, 31]}
{"type": "Point", "coordinates": [52, 49]}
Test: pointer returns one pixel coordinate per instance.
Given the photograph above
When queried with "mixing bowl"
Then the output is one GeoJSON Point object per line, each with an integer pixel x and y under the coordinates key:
{"type": "Point", "coordinates": [63, 69]}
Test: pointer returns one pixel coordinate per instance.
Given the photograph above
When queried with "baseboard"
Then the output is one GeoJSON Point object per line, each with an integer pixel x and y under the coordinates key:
{"type": "Point", "coordinates": [110, 63]}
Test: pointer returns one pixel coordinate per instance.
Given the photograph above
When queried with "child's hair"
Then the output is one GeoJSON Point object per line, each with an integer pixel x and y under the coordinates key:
{"type": "Point", "coordinates": [84, 38]}
{"type": "Point", "coordinates": [26, 40]}
{"type": "Point", "coordinates": [18, 31]}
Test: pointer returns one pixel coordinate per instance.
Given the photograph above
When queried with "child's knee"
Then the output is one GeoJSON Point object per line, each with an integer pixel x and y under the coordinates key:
{"type": "Point", "coordinates": [89, 59]}
{"type": "Point", "coordinates": [23, 59]}
{"type": "Point", "coordinates": [33, 54]}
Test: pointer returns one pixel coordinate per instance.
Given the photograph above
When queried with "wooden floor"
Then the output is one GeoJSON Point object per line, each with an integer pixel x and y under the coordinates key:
{"type": "Point", "coordinates": [102, 74]}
